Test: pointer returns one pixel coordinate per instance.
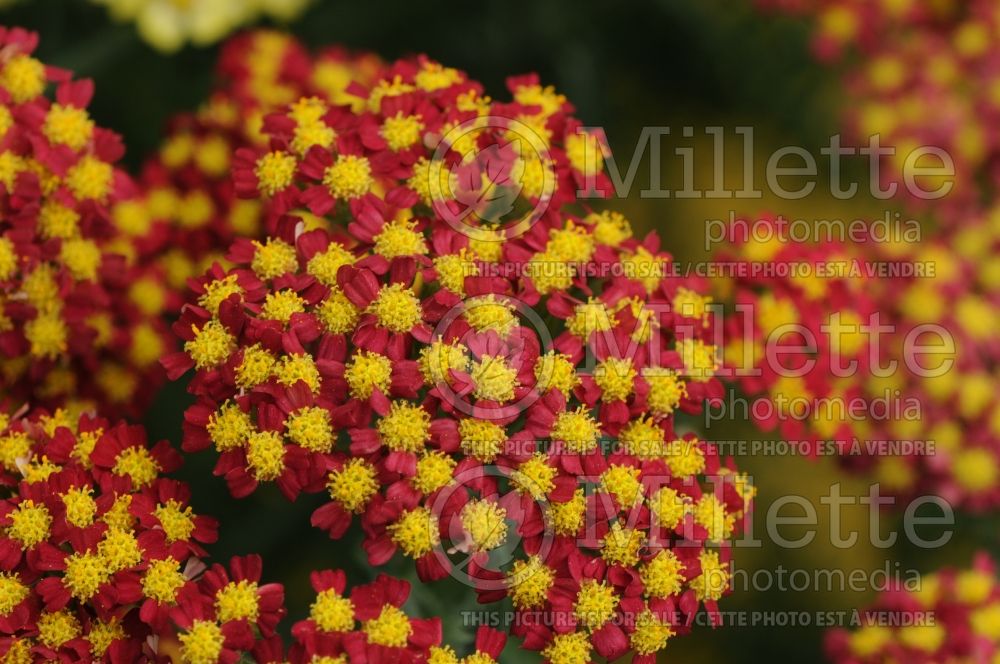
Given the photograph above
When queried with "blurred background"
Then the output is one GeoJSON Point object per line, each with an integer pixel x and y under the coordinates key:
{"type": "Point", "coordinates": [625, 66]}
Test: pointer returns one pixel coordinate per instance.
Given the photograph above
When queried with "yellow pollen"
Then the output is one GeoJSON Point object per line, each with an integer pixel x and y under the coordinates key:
{"type": "Point", "coordinates": [275, 172]}
{"type": "Point", "coordinates": [229, 427]}
{"type": "Point", "coordinates": [666, 390]}
{"type": "Point", "coordinates": [488, 313]}
{"type": "Point", "coordinates": [80, 506]}
{"type": "Point", "coordinates": [331, 612]}
{"type": "Point", "coordinates": [391, 628]}
{"type": "Point", "coordinates": [439, 358]}
{"type": "Point", "coordinates": [714, 578]}
{"type": "Point", "coordinates": [710, 513]}
{"type": "Point", "coordinates": [82, 258]}
{"type": "Point", "coordinates": [176, 520]}
{"type": "Point", "coordinates": [484, 521]}
{"type": "Point", "coordinates": [353, 485]}
{"type": "Point", "coordinates": [534, 477]}
{"type": "Point", "coordinates": [282, 305]}
{"type": "Point", "coordinates": [434, 471]}
{"type": "Point", "coordinates": [588, 318]}
{"type": "Point", "coordinates": [266, 455]}
{"type": "Point", "coordinates": [256, 367]}
{"type": "Point", "coordinates": [668, 507]}
{"type": "Point", "coordinates": [555, 371]}
{"type": "Point", "coordinates": [405, 428]}
{"type": "Point", "coordinates": [700, 359]}
{"type": "Point", "coordinates": [211, 346]}
{"type": "Point", "coordinates": [396, 308]}
{"type": "Point", "coordinates": [30, 524]}
{"type": "Point", "coordinates": [23, 77]}
{"type": "Point", "coordinates": [293, 368]}
{"type": "Point", "coordinates": [273, 258]}
{"type": "Point", "coordinates": [367, 372]}
{"type": "Point", "coordinates": [663, 575]}
{"type": "Point", "coordinates": [621, 545]}
{"type": "Point", "coordinates": [217, 292]}
{"type": "Point", "coordinates": [310, 428]}
{"type": "Point", "coordinates": [12, 592]}
{"type": "Point", "coordinates": [567, 518]}
{"type": "Point", "coordinates": [481, 439]}
{"type": "Point", "coordinates": [416, 532]}
{"type": "Point", "coordinates": [338, 314]}
{"type": "Point", "coordinates": [452, 270]}
{"type": "Point", "coordinates": [201, 644]}
{"type": "Point", "coordinates": [68, 125]}
{"type": "Point", "coordinates": [8, 259]}
{"type": "Point", "coordinates": [101, 635]}
{"type": "Point", "coordinates": [528, 583]}
{"type": "Point", "coordinates": [137, 464]}
{"type": "Point", "coordinates": [494, 379]}
{"type": "Point", "coordinates": [398, 238]}
{"type": "Point", "coordinates": [622, 482]}
{"type": "Point", "coordinates": [237, 601]}
{"type": "Point", "coordinates": [572, 648]}
{"type": "Point", "coordinates": [324, 265]}
{"type": "Point", "coordinates": [577, 429]}
{"type": "Point", "coordinates": [615, 378]}
{"type": "Point", "coordinates": [47, 335]}
{"type": "Point", "coordinates": [595, 604]}
{"type": "Point", "coordinates": [401, 131]}
{"type": "Point", "coordinates": [55, 629]}
{"type": "Point", "coordinates": [90, 178]}
{"type": "Point", "coordinates": [350, 176]}
{"type": "Point", "coordinates": [651, 634]}
{"type": "Point", "coordinates": [85, 572]}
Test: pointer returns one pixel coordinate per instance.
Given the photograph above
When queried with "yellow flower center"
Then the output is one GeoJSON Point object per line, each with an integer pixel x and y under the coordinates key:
{"type": "Point", "coordinates": [416, 532]}
{"type": "Point", "coordinates": [331, 612]}
{"type": "Point", "coordinates": [577, 429]}
{"type": "Point", "coordinates": [137, 464]}
{"type": "Point", "coordinates": [350, 176]}
{"type": "Point", "coordinates": [353, 485]}
{"type": "Point", "coordinates": [485, 522]}
{"type": "Point", "coordinates": [528, 582]}
{"type": "Point", "coordinates": [237, 601]}
{"type": "Point", "coordinates": [396, 308]}
{"type": "Point", "coordinates": [494, 379]}
{"type": "Point", "coordinates": [391, 629]}
{"type": "Point", "coordinates": [162, 581]}
{"type": "Point", "coordinates": [401, 131]}
{"type": "Point", "coordinates": [595, 603]}
{"type": "Point", "coordinates": [176, 520]}
{"type": "Point", "coordinates": [275, 172]}
{"type": "Point", "coordinates": [405, 428]}
{"type": "Point", "coordinates": [266, 455]}
{"type": "Point", "coordinates": [662, 576]}
{"type": "Point", "coordinates": [310, 428]}
{"type": "Point", "coordinates": [201, 644]}
{"type": "Point", "coordinates": [367, 372]}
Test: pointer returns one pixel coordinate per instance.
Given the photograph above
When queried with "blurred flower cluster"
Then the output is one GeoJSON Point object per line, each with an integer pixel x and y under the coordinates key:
{"type": "Point", "coordinates": [480, 370]}
{"type": "Point", "coordinates": [69, 331]}
{"type": "Point", "coordinates": [918, 74]}
{"type": "Point", "coordinates": [953, 616]}
{"type": "Point", "coordinates": [168, 25]}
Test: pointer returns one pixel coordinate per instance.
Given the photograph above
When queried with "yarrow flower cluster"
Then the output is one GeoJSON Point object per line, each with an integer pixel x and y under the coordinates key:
{"type": "Point", "coordinates": [168, 25]}
{"type": "Point", "coordinates": [941, 405]}
{"type": "Point", "coordinates": [953, 616]}
{"type": "Point", "coordinates": [100, 551]}
{"type": "Point", "coordinates": [467, 362]}
{"type": "Point", "coordinates": [185, 212]}
{"type": "Point", "coordinates": [928, 75]}
{"type": "Point", "coordinates": [67, 329]}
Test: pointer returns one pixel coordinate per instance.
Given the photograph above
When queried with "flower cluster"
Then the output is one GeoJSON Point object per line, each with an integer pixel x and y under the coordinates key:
{"type": "Point", "coordinates": [167, 25]}
{"type": "Point", "coordinates": [185, 213]}
{"type": "Point", "coordinates": [921, 343]}
{"type": "Point", "coordinates": [797, 316]}
{"type": "Point", "coordinates": [100, 554]}
{"type": "Point", "coordinates": [67, 328]}
{"type": "Point", "coordinates": [953, 616]}
{"type": "Point", "coordinates": [929, 76]}
{"type": "Point", "coordinates": [471, 363]}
